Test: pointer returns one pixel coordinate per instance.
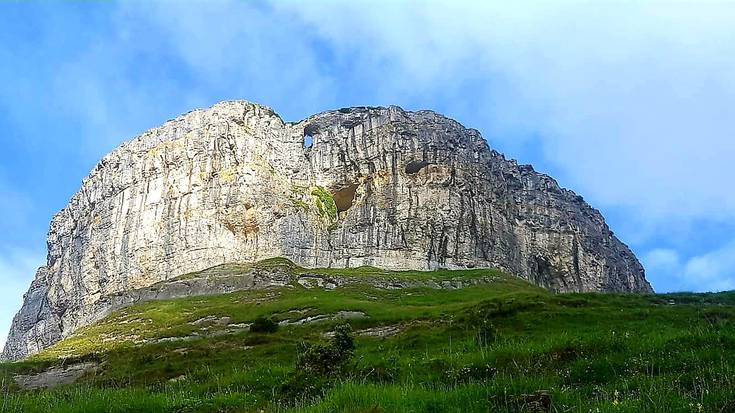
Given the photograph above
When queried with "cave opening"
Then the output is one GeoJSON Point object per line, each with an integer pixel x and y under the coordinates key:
{"type": "Point", "coordinates": [414, 167]}
{"type": "Point", "coordinates": [310, 131]}
{"type": "Point", "coordinates": [344, 198]}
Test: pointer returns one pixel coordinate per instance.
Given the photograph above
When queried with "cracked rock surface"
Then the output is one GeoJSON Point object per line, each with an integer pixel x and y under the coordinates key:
{"type": "Point", "coordinates": [358, 186]}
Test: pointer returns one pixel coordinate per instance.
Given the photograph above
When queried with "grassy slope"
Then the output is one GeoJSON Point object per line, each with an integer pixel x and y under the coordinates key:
{"type": "Point", "coordinates": [477, 349]}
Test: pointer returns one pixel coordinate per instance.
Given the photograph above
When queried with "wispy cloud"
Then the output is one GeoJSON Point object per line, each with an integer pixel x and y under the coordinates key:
{"type": "Point", "coordinates": [234, 49]}
{"type": "Point", "coordinates": [710, 271]}
{"type": "Point", "coordinates": [633, 100]}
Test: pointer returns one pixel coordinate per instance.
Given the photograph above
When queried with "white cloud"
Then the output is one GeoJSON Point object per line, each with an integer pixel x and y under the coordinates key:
{"type": "Point", "coordinates": [663, 267]}
{"type": "Point", "coordinates": [629, 103]}
{"type": "Point", "coordinates": [633, 100]}
{"type": "Point", "coordinates": [661, 258]}
{"type": "Point", "coordinates": [236, 49]}
{"type": "Point", "coordinates": [145, 62]}
{"type": "Point", "coordinates": [711, 271]}
{"type": "Point", "coordinates": [17, 269]}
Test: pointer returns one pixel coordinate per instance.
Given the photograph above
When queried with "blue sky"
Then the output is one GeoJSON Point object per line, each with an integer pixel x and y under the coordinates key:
{"type": "Point", "coordinates": [631, 104]}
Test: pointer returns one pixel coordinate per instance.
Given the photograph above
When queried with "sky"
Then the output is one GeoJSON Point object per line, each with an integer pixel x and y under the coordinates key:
{"type": "Point", "coordinates": [629, 103]}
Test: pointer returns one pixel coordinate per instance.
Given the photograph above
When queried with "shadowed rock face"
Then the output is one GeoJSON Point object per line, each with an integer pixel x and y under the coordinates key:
{"type": "Point", "coordinates": [371, 186]}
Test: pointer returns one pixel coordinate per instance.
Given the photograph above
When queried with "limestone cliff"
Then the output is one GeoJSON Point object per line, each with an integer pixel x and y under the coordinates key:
{"type": "Point", "coordinates": [359, 186]}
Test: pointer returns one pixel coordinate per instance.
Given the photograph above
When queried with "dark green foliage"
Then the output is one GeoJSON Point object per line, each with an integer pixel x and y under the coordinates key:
{"type": "Point", "coordinates": [301, 387]}
{"type": "Point", "coordinates": [327, 358]}
{"type": "Point", "coordinates": [263, 325]}
{"type": "Point", "coordinates": [317, 366]}
{"type": "Point", "coordinates": [324, 203]}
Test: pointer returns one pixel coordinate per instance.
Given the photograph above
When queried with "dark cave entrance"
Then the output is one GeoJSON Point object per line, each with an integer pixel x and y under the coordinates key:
{"type": "Point", "coordinates": [414, 167]}
{"type": "Point", "coordinates": [344, 198]}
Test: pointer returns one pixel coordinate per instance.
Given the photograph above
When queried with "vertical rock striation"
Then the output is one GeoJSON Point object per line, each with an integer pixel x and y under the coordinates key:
{"type": "Point", "coordinates": [359, 186]}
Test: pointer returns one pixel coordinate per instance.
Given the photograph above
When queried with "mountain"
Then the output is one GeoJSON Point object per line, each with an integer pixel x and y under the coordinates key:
{"type": "Point", "coordinates": [359, 186]}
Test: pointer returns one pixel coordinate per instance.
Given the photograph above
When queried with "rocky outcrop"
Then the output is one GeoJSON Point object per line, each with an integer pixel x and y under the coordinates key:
{"type": "Point", "coordinates": [357, 186]}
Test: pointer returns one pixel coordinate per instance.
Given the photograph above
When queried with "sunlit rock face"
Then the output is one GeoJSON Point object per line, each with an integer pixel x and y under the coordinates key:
{"type": "Point", "coordinates": [358, 186]}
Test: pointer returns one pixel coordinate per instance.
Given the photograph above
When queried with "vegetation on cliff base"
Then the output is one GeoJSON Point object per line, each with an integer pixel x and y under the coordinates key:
{"type": "Point", "coordinates": [507, 346]}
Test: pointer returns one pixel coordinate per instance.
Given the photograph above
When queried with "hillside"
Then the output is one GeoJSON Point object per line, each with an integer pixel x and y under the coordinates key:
{"type": "Point", "coordinates": [440, 341]}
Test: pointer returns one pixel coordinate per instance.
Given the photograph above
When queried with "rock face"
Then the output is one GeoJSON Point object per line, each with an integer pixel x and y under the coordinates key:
{"type": "Point", "coordinates": [358, 186]}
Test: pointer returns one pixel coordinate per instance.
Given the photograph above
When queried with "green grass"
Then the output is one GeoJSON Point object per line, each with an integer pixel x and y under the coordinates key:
{"type": "Point", "coordinates": [482, 348]}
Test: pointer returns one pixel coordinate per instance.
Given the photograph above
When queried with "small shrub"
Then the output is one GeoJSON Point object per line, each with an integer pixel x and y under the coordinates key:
{"type": "Point", "coordinates": [343, 340]}
{"type": "Point", "coordinates": [329, 358]}
{"type": "Point", "coordinates": [317, 365]}
{"type": "Point", "coordinates": [263, 325]}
